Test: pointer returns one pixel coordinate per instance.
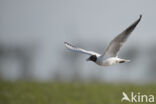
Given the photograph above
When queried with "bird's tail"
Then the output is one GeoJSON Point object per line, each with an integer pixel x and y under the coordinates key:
{"type": "Point", "coordinates": [123, 61]}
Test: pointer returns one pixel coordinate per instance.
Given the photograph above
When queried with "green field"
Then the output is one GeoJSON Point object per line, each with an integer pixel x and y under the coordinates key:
{"type": "Point", "coordinates": [68, 93]}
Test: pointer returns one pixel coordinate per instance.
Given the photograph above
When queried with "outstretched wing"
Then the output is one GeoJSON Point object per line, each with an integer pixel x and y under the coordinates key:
{"type": "Point", "coordinates": [80, 50]}
{"type": "Point", "coordinates": [118, 41]}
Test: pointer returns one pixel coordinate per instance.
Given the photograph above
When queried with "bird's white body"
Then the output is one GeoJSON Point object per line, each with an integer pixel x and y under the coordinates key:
{"type": "Point", "coordinates": [110, 57]}
{"type": "Point", "coordinates": [109, 61]}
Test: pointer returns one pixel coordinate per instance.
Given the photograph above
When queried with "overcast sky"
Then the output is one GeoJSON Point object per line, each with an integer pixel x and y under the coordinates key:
{"type": "Point", "coordinates": [48, 23]}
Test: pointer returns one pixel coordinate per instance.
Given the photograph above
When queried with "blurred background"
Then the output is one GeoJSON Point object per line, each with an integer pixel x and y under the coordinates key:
{"type": "Point", "coordinates": [33, 32]}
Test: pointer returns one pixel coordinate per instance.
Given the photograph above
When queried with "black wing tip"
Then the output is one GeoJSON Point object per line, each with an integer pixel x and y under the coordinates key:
{"type": "Point", "coordinates": [65, 43]}
{"type": "Point", "coordinates": [140, 16]}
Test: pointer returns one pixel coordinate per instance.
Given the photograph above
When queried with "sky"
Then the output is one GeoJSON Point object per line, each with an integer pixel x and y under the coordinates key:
{"type": "Point", "coordinates": [43, 26]}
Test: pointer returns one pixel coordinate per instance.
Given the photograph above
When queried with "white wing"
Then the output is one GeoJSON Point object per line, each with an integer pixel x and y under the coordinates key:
{"type": "Point", "coordinates": [76, 49]}
{"type": "Point", "coordinates": [118, 41]}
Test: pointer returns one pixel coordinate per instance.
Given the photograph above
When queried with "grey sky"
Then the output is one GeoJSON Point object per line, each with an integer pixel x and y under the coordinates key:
{"type": "Point", "coordinates": [47, 24]}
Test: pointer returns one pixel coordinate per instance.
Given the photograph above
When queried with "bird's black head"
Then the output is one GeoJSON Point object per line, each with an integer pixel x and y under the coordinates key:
{"type": "Point", "coordinates": [92, 58]}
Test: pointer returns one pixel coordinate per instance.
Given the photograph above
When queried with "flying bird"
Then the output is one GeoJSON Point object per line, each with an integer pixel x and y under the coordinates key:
{"type": "Point", "coordinates": [110, 56]}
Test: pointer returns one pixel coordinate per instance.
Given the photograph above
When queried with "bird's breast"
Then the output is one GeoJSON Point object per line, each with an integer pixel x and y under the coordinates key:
{"type": "Point", "coordinates": [107, 62]}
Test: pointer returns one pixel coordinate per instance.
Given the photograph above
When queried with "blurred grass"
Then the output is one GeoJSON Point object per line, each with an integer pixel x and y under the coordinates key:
{"type": "Point", "coordinates": [68, 93]}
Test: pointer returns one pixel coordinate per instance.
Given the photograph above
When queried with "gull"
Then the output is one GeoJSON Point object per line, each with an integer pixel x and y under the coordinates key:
{"type": "Point", "coordinates": [110, 56]}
